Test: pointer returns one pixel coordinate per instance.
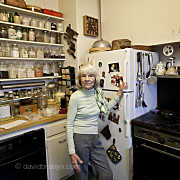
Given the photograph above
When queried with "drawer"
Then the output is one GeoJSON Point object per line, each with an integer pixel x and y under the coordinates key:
{"type": "Point", "coordinates": [55, 128]}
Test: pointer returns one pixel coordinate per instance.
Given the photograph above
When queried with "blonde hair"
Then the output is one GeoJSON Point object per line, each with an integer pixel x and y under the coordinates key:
{"type": "Point", "coordinates": [87, 69]}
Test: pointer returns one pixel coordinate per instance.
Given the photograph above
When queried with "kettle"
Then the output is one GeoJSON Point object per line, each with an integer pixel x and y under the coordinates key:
{"type": "Point", "coordinates": [171, 69]}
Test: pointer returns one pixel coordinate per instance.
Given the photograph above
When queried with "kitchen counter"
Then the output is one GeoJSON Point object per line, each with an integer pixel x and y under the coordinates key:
{"type": "Point", "coordinates": [30, 123]}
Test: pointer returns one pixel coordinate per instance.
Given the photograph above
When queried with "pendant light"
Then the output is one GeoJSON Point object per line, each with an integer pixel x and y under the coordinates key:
{"type": "Point", "coordinates": [100, 45]}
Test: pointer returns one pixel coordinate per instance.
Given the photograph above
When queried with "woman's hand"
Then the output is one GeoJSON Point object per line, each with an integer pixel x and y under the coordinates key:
{"type": "Point", "coordinates": [122, 86]}
{"type": "Point", "coordinates": [75, 160]}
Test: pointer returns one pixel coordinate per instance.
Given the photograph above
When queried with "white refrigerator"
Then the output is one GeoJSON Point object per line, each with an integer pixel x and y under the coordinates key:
{"type": "Point", "coordinates": [135, 68]}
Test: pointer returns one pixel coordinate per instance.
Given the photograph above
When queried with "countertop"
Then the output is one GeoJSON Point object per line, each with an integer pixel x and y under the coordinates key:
{"type": "Point", "coordinates": [30, 123]}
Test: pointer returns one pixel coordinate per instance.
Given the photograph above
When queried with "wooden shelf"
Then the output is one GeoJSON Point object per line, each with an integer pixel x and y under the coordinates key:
{"type": "Point", "coordinates": [30, 42]}
{"type": "Point", "coordinates": [30, 13]}
{"type": "Point", "coordinates": [29, 27]}
{"type": "Point", "coordinates": [33, 59]}
{"type": "Point", "coordinates": [34, 78]}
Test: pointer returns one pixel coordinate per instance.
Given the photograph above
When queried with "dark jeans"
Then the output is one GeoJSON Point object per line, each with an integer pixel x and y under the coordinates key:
{"type": "Point", "coordinates": [89, 148]}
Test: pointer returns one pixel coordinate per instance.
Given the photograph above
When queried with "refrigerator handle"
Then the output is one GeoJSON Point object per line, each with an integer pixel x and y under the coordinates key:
{"type": "Point", "coordinates": [127, 129]}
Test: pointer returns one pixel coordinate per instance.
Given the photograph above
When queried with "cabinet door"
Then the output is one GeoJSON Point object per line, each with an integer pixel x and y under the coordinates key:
{"type": "Point", "coordinates": [59, 164]}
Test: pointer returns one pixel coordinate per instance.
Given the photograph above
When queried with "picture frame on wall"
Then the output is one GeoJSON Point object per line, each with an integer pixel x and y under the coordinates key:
{"type": "Point", "coordinates": [90, 26]}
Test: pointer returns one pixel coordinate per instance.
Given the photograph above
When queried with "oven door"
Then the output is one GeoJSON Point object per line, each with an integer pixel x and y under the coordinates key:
{"type": "Point", "coordinates": [154, 161]}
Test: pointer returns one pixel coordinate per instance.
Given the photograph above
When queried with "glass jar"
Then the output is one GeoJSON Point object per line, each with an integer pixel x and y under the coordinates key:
{"type": "Point", "coordinates": [26, 20]}
{"type": "Point", "coordinates": [24, 52]}
{"type": "Point", "coordinates": [39, 36]}
{"type": "Point", "coordinates": [40, 53]}
{"type": "Point", "coordinates": [47, 53]}
{"type": "Point", "coordinates": [46, 36]}
{"type": "Point", "coordinates": [32, 53]}
{"type": "Point", "coordinates": [4, 16]}
{"type": "Point", "coordinates": [41, 24]}
{"type": "Point", "coordinates": [34, 23]}
{"type": "Point", "coordinates": [12, 32]}
{"type": "Point", "coordinates": [15, 51]}
{"type": "Point", "coordinates": [8, 49]}
{"type": "Point", "coordinates": [25, 35]}
{"type": "Point", "coordinates": [48, 25]}
{"type": "Point", "coordinates": [19, 34]}
{"type": "Point", "coordinates": [30, 71]}
{"type": "Point", "coordinates": [31, 35]}
{"type": "Point", "coordinates": [3, 32]}
{"type": "Point", "coordinates": [58, 38]}
{"type": "Point", "coordinates": [12, 71]}
{"type": "Point", "coordinates": [46, 69]}
{"type": "Point", "coordinates": [38, 70]}
{"type": "Point", "coordinates": [60, 27]}
{"type": "Point", "coordinates": [53, 38]}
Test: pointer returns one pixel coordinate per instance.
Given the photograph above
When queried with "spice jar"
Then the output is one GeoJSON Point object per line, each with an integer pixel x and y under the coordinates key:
{"type": "Point", "coordinates": [41, 24]}
{"type": "Point", "coordinates": [25, 35]}
{"type": "Point", "coordinates": [12, 33]}
{"type": "Point", "coordinates": [32, 53]}
{"type": "Point", "coordinates": [53, 38]}
{"type": "Point", "coordinates": [60, 27]}
{"type": "Point", "coordinates": [31, 35]}
{"type": "Point", "coordinates": [40, 53]}
{"type": "Point", "coordinates": [7, 50]}
{"type": "Point", "coordinates": [34, 23]}
{"type": "Point", "coordinates": [19, 34]}
{"type": "Point", "coordinates": [47, 53]}
{"type": "Point", "coordinates": [46, 36]}
{"type": "Point", "coordinates": [15, 51]}
{"type": "Point", "coordinates": [38, 70]}
{"type": "Point", "coordinates": [4, 16]}
{"type": "Point", "coordinates": [12, 71]}
{"type": "Point", "coordinates": [24, 52]}
{"type": "Point", "coordinates": [48, 25]}
{"type": "Point", "coordinates": [39, 36]}
{"type": "Point", "coordinates": [3, 32]}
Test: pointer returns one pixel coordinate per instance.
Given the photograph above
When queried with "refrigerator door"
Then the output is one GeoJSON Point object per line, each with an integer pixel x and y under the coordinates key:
{"type": "Point", "coordinates": [113, 66]}
{"type": "Point", "coordinates": [120, 131]}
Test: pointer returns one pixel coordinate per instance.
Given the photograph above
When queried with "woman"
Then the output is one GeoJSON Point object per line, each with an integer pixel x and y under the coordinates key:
{"type": "Point", "coordinates": [84, 108]}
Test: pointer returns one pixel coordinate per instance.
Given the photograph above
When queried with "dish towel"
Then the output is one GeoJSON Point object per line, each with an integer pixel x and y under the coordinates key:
{"type": "Point", "coordinates": [101, 102]}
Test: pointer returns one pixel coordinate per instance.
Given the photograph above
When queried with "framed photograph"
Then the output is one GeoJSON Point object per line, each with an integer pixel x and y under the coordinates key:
{"type": "Point", "coordinates": [90, 26]}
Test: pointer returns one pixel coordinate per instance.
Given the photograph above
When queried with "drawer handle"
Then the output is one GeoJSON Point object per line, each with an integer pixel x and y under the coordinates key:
{"type": "Point", "coordinates": [64, 140]}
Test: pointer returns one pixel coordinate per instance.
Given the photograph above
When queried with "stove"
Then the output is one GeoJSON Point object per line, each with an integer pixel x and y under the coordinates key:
{"type": "Point", "coordinates": [156, 147]}
{"type": "Point", "coordinates": [155, 120]}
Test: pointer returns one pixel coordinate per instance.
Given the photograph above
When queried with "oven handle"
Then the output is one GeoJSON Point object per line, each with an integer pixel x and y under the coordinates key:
{"type": "Point", "coordinates": [160, 151]}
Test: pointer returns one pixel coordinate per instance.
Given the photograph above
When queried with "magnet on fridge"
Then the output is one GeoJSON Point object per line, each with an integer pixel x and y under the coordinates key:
{"type": "Point", "coordinates": [101, 83]}
{"type": "Point", "coordinates": [100, 64]}
{"type": "Point", "coordinates": [114, 67]}
{"type": "Point", "coordinates": [103, 74]}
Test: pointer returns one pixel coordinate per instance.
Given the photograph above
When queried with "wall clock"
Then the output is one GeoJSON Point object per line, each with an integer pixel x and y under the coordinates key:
{"type": "Point", "coordinates": [90, 26]}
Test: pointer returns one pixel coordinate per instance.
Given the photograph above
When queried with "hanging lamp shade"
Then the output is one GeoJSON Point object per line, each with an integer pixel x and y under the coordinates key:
{"type": "Point", "coordinates": [100, 45]}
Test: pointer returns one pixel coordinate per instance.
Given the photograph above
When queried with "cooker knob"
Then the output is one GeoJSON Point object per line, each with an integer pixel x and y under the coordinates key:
{"type": "Point", "coordinates": [161, 140]}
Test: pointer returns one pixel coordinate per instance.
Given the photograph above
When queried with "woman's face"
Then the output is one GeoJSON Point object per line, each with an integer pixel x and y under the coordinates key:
{"type": "Point", "coordinates": [87, 81]}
